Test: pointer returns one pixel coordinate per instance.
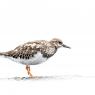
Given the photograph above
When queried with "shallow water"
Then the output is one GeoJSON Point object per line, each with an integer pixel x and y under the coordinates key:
{"type": "Point", "coordinates": [60, 77]}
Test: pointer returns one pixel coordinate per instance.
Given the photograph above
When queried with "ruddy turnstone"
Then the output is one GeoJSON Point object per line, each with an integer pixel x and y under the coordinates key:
{"type": "Point", "coordinates": [33, 53]}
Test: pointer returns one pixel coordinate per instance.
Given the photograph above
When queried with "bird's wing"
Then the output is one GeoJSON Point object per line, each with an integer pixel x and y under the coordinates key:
{"type": "Point", "coordinates": [26, 50]}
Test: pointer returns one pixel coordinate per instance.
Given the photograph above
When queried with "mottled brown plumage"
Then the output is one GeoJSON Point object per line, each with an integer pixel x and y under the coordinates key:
{"type": "Point", "coordinates": [30, 52]}
{"type": "Point", "coordinates": [29, 49]}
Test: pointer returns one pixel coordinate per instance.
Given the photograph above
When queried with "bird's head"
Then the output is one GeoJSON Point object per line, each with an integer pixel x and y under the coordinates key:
{"type": "Point", "coordinates": [58, 43]}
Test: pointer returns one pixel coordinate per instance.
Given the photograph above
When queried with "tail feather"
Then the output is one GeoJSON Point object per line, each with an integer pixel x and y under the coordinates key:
{"type": "Point", "coordinates": [2, 54]}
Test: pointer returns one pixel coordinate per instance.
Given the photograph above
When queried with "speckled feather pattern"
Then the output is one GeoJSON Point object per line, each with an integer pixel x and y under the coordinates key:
{"type": "Point", "coordinates": [29, 49]}
{"type": "Point", "coordinates": [35, 52]}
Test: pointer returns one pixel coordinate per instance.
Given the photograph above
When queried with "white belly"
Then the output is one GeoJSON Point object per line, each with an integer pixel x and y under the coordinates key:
{"type": "Point", "coordinates": [37, 59]}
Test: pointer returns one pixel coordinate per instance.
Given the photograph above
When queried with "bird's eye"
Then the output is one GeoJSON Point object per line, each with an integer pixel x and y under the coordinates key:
{"type": "Point", "coordinates": [60, 42]}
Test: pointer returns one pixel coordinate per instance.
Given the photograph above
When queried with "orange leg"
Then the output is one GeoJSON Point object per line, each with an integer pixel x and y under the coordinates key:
{"type": "Point", "coordinates": [28, 70]}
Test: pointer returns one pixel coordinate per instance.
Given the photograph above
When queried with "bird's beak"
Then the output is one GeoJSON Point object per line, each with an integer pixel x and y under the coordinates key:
{"type": "Point", "coordinates": [66, 46]}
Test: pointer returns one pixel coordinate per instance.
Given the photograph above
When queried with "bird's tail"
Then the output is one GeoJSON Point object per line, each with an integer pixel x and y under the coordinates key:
{"type": "Point", "coordinates": [2, 54]}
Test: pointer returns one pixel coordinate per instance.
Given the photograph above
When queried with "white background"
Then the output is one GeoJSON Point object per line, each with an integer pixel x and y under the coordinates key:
{"type": "Point", "coordinates": [73, 21]}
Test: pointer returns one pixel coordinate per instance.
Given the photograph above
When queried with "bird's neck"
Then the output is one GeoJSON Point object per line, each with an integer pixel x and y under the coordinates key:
{"type": "Point", "coordinates": [54, 44]}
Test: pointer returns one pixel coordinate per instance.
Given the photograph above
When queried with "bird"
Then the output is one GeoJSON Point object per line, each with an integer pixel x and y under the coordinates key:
{"type": "Point", "coordinates": [34, 52]}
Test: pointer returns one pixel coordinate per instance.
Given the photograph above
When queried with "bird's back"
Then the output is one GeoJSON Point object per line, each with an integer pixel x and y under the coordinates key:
{"type": "Point", "coordinates": [32, 52]}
